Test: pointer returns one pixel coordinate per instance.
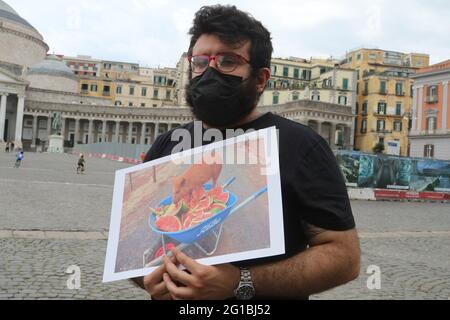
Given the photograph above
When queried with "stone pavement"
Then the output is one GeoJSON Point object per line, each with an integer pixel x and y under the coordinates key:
{"type": "Point", "coordinates": [51, 218]}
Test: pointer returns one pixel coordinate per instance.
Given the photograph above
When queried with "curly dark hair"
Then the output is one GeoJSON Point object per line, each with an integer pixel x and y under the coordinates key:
{"type": "Point", "coordinates": [233, 27]}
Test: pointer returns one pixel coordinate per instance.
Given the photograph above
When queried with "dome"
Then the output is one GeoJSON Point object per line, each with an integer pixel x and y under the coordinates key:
{"type": "Point", "coordinates": [8, 13]}
{"type": "Point", "coordinates": [21, 44]}
{"type": "Point", "coordinates": [52, 74]}
{"type": "Point", "coordinates": [52, 66]}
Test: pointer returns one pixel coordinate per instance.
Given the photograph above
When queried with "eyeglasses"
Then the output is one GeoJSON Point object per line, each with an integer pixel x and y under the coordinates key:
{"type": "Point", "coordinates": [226, 62]}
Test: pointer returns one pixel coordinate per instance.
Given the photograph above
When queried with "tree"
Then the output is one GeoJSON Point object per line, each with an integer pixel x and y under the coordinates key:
{"type": "Point", "coordinates": [379, 148]}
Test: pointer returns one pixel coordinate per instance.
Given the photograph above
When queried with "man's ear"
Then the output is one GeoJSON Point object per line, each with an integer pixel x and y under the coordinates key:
{"type": "Point", "coordinates": [263, 76]}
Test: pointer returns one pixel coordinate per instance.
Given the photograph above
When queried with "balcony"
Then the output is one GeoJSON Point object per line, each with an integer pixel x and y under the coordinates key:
{"type": "Point", "coordinates": [365, 93]}
{"type": "Point", "coordinates": [382, 131]}
{"type": "Point", "coordinates": [383, 92]}
{"type": "Point", "coordinates": [387, 114]}
{"type": "Point", "coordinates": [400, 94]}
{"type": "Point", "coordinates": [83, 91]}
{"type": "Point", "coordinates": [106, 93]}
{"type": "Point", "coordinates": [432, 99]}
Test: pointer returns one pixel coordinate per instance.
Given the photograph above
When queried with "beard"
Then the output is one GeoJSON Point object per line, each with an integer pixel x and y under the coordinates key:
{"type": "Point", "coordinates": [219, 111]}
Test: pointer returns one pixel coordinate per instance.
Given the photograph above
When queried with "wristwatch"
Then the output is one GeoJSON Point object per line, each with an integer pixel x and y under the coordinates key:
{"type": "Point", "coordinates": [245, 290]}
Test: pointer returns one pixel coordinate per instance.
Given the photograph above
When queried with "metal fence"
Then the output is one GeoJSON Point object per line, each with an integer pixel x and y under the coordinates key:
{"type": "Point", "coordinates": [115, 149]}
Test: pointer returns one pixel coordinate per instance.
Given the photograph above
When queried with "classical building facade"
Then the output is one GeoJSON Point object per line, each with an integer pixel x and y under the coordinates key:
{"type": "Point", "coordinates": [430, 132]}
{"type": "Point", "coordinates": [384, 96]}
{"type": "Point", "coordinates": [107, 101]}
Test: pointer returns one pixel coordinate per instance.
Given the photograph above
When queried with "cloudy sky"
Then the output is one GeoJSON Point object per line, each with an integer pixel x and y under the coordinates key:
{"type": "Point", "coordinates": [154, 32]}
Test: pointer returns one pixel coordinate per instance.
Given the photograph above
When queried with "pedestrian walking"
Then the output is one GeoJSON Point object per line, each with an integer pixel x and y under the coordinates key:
{"type": "Point", "coordinates": [19, 158]}
{"type": "Point", "coordinates": [81, 165]}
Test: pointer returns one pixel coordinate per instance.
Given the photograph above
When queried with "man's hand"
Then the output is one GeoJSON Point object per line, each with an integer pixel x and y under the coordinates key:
{"type": "Point", "coordinates": [199, 282]}
{"type": "Point", "coordinates": [155, 285]}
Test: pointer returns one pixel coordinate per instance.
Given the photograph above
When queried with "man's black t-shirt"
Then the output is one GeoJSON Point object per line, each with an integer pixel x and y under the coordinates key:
{"type": "Point", "coordinates": [312, 186]}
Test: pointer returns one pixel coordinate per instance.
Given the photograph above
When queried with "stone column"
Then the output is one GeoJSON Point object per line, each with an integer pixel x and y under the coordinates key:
{"type": "Point", "coordinates": [63, 128]}
{"type": "Point", "coordinates": [445, 106]}
{"type": "Point", "coordinates": [19, 120]}
{"type": "Point", "coordinates": [130, 132]}
{"type": "Point", "coordinates": [414, 109]}
{"type": "Point", "coordinates": [34, 132]}
{"type": "Point", "coordinates": [319, 128]}
{"type": "Point", "coordinates": [104, 124]}
{"type": "Point", "coordinates": [143, 129]}
{"type": "Point", "coordinates": [49, 126]}
{"type": "Point", "coordinates": [156, 131]}
{"type": "Point", "coordinates": [333, 136]}
{"type": "Point", "coordinates": [3, 100]}
{"type": "Point", "coordinates": [90, 132]}
{"type": "Point", "coordinates": [77, 130]}
{"type": "Point", "coordinates": [419, 115]}
{"type": "Point", "coordinates": [116, 134]}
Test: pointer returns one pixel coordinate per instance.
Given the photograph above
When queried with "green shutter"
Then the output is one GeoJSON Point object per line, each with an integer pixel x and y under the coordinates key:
{"type": "Point", "coordinates": [345, 84]}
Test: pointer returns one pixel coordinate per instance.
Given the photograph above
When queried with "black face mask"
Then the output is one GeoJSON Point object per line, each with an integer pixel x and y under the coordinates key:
{"type": "Point", "coordinates": [219, 99]}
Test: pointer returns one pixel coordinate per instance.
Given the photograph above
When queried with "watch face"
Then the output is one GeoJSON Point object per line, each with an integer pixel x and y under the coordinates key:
{"type": "Point", "coordinates": [246, 292]}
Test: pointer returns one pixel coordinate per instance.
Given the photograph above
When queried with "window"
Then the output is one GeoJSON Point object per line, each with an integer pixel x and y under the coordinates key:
{"type": "Point", "coordinates": [131, 91]}
{"type": "Point", "coordinates": [142, 104]}
{"type": "Point", "coordinates": [323, 70]}
{"type": "Point", "coordinates": [119, 90]}
{"type": "Point", "coordinates": [155, 94]}
{"type": "Point", "coordinates": [296, 73]}
{"type": "Point", "coordinates": [345, 84]}
{"type": "Point", "coordinates": [93, 87]}
{"type": "Point", "coordinates": [285, 72]}
{"type": "Point", "coordinates": [315, 97]}
{"type": "Point", "coordinates": [428, 151]}
{"type": "Point", "coordinates": [168, 93]}
{"type": "Point", "coordinates": [130, 104]}
{"type": "Point", "coordinates": [274, 70]}
{"type": "Point", "coordinates": [118, 103]}
{"type": "Point", "coordinates": [364, 108]}
{"type": "Point", "coordinates": [364, 126]}
{"type": "Point", "coordinates": [383, 87]}
{"type": "Point", "coordinates": [398, 126]}
{"type": "Point", "coordinates": [295, 96]}
{"type": "Point", "coordinates": [366, 88]}
{"type": "Point", "coordinates": [431, 124]}
{"type": "Point", "coordinates": [358, 56]}
{"type": "Point", "coordinates": [275, 99]}
{"type": "Point", "coordinates": [84, 87]}
{"type": "Point", "coordinates": [342, 100]}
{"type": "Point", "coordinates": [106, 89]}
{"type": "Point", "coordinates": [306, 75]}
{"type": "Point", "coordinates": [399, 89]}
{"type": "Point", "coordinates": [432, 94]}
{"type": "Point", "coordinates": [160, 80]}
{"type": "Point", "coordinates": [398, 109]}
{"type": "Point", "coordinates": [372, 56]}
{"type": "Point", "coordinates": [382, 108]}
{"type": "Point", "coordinates": [144, 92]}
{"type": "Point", "coordinates": [380, 125]}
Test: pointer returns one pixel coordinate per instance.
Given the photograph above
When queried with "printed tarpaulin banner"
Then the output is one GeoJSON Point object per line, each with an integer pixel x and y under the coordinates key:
{"type": "Point", "coordinates": [390, 172]}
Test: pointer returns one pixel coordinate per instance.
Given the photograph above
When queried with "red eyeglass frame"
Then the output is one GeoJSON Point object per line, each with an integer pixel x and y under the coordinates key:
{"type": "Point", "coordinates": [210, 58]}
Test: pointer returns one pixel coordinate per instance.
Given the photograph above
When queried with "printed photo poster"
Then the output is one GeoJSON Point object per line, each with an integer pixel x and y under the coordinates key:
{"type": "Point", "coordinates": [349, 165]}
{"type": "Point", "coordinates": [218, 204]}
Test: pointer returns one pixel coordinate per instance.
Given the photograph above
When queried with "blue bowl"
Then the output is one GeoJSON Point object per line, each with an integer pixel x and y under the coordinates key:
{"type": "Point", "coordinates": [202, 229]}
